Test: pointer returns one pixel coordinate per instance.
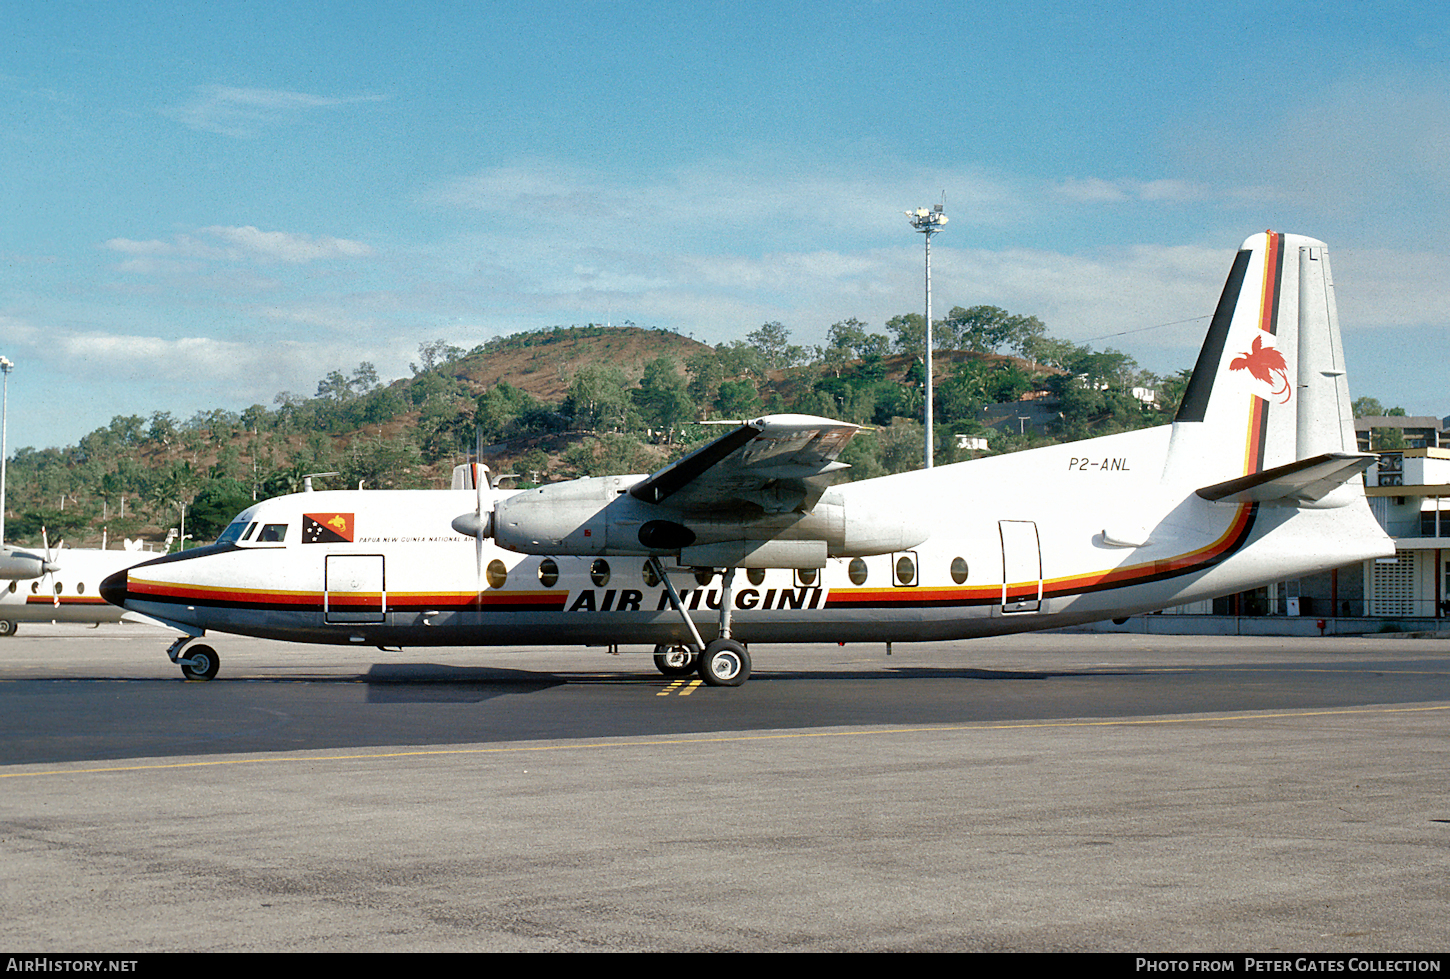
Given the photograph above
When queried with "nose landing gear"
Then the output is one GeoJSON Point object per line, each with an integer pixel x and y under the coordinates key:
{"type": "Point", "coordinates": [200, 663]}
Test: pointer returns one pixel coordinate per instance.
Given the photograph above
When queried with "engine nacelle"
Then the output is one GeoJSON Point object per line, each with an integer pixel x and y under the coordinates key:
{"type": "Point", "coordinates": [596, 516]}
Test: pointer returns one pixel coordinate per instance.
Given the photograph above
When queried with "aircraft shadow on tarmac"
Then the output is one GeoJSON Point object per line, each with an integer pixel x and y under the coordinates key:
{"type": "Point", "coordinates": [438, 683]}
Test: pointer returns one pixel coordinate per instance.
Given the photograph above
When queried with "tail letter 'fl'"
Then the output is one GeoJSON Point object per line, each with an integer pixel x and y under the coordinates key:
{"type": "Point", "coordinates": [1266, 364]}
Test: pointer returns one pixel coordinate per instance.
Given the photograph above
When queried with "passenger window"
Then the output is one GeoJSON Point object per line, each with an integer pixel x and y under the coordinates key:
{"type": "Point", "coordinates": [906, 570]}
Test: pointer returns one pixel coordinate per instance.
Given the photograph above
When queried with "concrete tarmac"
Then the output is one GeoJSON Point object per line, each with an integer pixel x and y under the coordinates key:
{"type": "Point", "coordinates": [1054, 792]}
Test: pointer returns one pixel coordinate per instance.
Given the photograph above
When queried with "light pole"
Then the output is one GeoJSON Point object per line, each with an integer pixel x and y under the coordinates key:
{"type": "Point", "coordinates": [6, 366]}
{"type": "Point", "coordinates": [928, 223]}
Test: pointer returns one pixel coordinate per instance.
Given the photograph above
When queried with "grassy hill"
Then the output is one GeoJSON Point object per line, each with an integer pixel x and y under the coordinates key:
{"type": "Point", "coordinates": [547, 404]}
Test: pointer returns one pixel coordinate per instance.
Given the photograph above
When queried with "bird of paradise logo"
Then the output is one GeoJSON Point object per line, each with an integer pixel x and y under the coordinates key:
{"type": "Point", "coordinates": [1267, 365]}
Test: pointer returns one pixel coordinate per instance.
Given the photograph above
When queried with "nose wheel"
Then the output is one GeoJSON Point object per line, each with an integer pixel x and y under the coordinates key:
{"type": "Point", "coordinates": [199, 663]}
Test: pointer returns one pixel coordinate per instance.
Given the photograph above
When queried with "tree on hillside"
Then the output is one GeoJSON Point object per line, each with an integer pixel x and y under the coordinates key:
{"type": "Point", "coordinates": [773, 342]}
{"type": "Point", "coordinates": [216, 503]}
{"type": "Point", "coordinates": [662, 399]}
{"type": "Point", "coordinates": [174, 489]}
{"type": "Point", "coordinates": [434, 354]}
{"type": "Point", "coordinates": [987, 329]}
{"type": "Point", "coordinates": [738, 399]}
{"type": "Point", "coordinates": [909, 331]}
{"type": "Point", "coordinates": [598, 398]}
{"type": "Point", "coordinates": [706, 374]}
{"type": "Point", "coordinates": [741, 359]}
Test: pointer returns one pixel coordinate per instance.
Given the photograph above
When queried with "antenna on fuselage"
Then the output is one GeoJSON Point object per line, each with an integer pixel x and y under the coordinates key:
{"type": "Point", "coordinates": [307, 480]}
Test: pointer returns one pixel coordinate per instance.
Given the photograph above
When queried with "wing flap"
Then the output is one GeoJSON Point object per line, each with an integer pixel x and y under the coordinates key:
{"type": "Point", "coordinates": [778, 463]}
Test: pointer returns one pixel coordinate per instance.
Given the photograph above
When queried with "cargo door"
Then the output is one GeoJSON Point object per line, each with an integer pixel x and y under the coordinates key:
{"type": "Point", "coordinates": [354, 590]}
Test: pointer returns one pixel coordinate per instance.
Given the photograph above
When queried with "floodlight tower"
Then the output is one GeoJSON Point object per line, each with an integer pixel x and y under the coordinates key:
{"type": "Point", "coordinates": [928, 223]}
{"type": "Point", "coordinates": [6, 366]}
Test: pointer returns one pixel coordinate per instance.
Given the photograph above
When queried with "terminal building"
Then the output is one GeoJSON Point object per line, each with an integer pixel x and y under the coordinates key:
{"type": "Point", "coordinates": [1407, 491]}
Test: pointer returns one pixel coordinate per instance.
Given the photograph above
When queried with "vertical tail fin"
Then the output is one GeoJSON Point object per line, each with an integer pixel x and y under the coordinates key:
{"type": "Point", "coordinates": [1269, 387]}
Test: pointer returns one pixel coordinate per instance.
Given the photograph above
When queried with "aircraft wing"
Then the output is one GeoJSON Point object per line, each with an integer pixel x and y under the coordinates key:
{"type": "Point", "coordinates": [778, 463]}
{"type": "Point", "coordinates": [1304, 481]}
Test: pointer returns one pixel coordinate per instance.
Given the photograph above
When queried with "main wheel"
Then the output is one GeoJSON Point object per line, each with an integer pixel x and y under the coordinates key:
{"type": "Point", "coordinates": [674, 660]}
{"type": "Point", "coordinates": [7, 627]}
{"type": "Point", "coordinates": [204, 663]}
{"type": "Point", "coordinates": [725, 664]}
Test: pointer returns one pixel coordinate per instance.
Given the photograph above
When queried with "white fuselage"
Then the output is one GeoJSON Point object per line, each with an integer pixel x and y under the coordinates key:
{"type": "Point", "coordinates": [1053, 536]}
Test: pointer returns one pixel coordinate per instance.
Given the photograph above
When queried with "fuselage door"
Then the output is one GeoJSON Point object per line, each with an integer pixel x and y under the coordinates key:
{"type": "Point", "coordinates": [354, 588]}
{"type": "Point", "coordinates": [1021, 566]}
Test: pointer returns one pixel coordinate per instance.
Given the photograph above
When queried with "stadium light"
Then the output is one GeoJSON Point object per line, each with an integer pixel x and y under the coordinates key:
{"type": "Point", "coordinates": [928, 222]}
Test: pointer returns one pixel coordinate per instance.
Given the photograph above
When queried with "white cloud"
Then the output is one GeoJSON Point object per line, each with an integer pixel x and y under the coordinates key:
{"type": "Point", "coordinates": [284, 247]}
{"type": "Point", "coordinates": [238, 244]}
{"type": "Point", "coordinates": [245, 112]}
{"type": "Point", "coordinates": [746, 199]}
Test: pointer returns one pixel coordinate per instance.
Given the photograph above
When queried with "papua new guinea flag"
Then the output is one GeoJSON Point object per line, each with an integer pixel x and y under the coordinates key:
{"type": "Point", "coordinates": [326, 528]}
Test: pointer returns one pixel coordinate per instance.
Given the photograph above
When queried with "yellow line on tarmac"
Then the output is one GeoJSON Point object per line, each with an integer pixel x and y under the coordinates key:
{"type": "Point", "coordinates": [676, 687]}
{"type": "Point", "coordinates": [731, 738]}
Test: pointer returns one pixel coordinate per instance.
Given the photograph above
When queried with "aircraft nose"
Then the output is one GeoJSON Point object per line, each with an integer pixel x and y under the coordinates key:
{"type": "Point", "coordinates": [113, 589]}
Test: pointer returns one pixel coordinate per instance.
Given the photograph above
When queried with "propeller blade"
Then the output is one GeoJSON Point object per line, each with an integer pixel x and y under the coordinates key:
{"type": "Point", "coordinates": [478, 512]}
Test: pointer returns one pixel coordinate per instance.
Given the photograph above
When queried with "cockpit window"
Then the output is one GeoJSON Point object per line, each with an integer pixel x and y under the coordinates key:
{"type": "Point", "coordinates": [250, 527]}
{"type": "Point", "coordinates": [233, 531]}
{"type": "Point", "coordinates": [273, 533]}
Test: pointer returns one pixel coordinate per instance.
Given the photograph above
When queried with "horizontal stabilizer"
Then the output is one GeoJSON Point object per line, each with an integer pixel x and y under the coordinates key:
{"type": "Point", "coordinates": [1304, 481]}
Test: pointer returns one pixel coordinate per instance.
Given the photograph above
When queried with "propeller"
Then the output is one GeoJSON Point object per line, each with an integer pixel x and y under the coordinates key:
{"type": "Point", "coordinates": [51, 565]}
{"type": "Point", "coordinates": [477, 524]}
{"type": "Point", "coordinates": [480, 479]}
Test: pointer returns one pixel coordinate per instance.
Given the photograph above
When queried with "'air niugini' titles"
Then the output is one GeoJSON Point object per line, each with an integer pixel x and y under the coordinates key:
{"type": "Point", "coordinates": [633, 599]}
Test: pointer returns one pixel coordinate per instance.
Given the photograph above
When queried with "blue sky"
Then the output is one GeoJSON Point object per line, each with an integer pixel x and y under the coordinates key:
{"type": "Point", "coordinates": [205, 205]}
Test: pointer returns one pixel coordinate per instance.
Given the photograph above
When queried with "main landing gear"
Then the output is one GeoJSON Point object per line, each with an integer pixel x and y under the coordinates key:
{"type": "Point", "coordinates": [675, 660]}
{"type": "Point", "coordinates": [200, 663]}
{"type": "Point", "coordinates": [724, 662]}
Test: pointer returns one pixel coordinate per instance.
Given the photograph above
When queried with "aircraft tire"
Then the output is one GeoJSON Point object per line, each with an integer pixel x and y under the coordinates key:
{"type": "Point", "coordinates": [7, 627]}
{"type": "Point", "coordinates": [204, 663]}
{"type": "Point", "coordinates": [725, 664]}
{"type": "Point", "coordinates": [674, 660]}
